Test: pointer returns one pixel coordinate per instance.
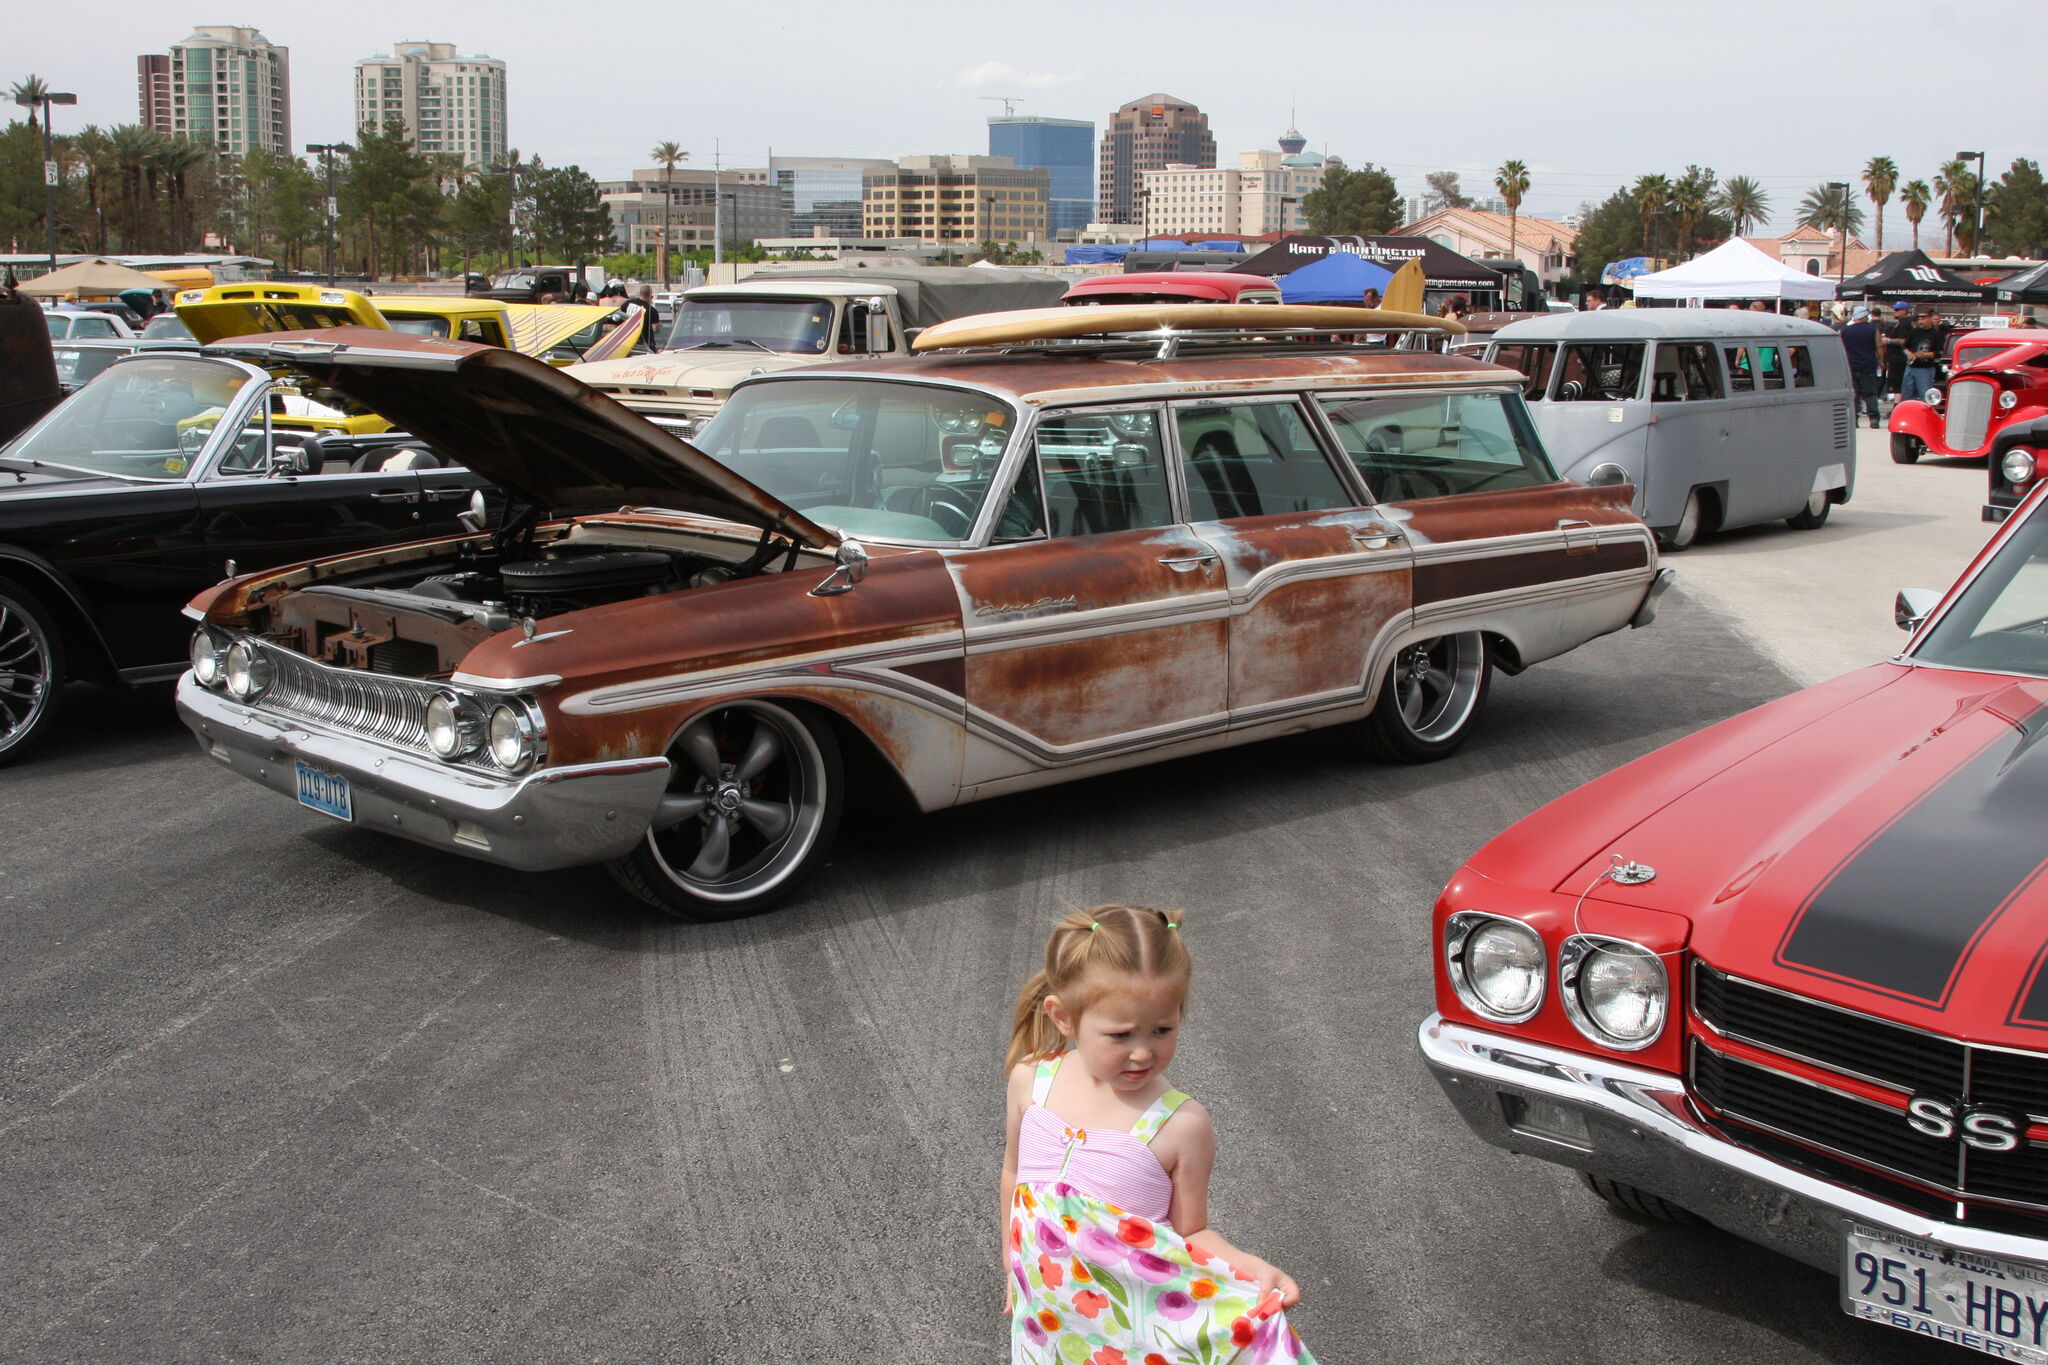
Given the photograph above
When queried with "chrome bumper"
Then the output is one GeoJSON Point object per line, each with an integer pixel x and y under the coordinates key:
{"type": "Point", "coordinates": [1641, 1130]}
{"type": "Point", "coordinates": [555, 817]}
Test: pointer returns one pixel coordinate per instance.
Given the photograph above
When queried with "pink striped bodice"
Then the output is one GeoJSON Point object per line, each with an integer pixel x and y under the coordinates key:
{"type": "Point", "coordinates": [1113, 1167]}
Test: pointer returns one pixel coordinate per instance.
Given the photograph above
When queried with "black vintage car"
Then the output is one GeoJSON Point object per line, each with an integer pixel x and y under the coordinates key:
{"type": "Point", "coordinates": [164, 474]}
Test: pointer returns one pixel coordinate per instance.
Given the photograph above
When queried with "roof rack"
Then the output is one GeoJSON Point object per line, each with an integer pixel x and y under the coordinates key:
{"type": "Point", "coordinates": [1166, 327]}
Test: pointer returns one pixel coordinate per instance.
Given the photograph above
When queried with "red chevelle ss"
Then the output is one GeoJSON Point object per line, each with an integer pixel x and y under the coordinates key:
{"type": "Point", "coordinates": [1790, 974]}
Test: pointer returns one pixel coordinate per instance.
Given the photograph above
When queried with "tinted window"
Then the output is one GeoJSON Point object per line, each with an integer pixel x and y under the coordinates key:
{"type": "Point", "coordinates": [1102, 472]}
{"type": "Point", "coordinates": [1533, 359]}
{"type": "Point", "coordinates": [1253, 460]}
{"type": "Point", "coordinates": [1600, 372]}
{"type": "Point", "coordinates": [1740, 379]}
{"type": "Point", "coordinates": [1423, 447]}
{"type": "Point", "coordinates": [1685, 373]}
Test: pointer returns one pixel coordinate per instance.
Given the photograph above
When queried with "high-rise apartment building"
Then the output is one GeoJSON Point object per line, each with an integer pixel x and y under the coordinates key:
{"type": "Point", "coordinates": [224, 85]}
{"type": "Point", "coordinates": [1148, 134]}
{"type": "Point", "coordinates": [153, 91]}
{"type": "Point", "coordinates": [1065, 148]}
{"type": "Point", "coordinates": [961, 199]}
{"type": "Point", "coordinates": [447, 102]}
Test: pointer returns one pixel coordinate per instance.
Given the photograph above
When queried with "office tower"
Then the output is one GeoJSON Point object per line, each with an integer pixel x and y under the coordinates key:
{"type": "Point", "coordinates": [1148, 134]}
{"type": "Point", "coordinates": [1064, 147]}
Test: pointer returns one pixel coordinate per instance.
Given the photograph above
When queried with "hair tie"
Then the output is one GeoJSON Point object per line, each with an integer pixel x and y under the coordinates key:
{"type": "Point", "coordinates": [1093, 926]}
{"type": "Point", "coordinates": [1172, 924]}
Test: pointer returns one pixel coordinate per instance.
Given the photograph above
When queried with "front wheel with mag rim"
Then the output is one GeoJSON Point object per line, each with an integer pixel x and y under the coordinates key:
{"type": "Point", "coordinates": [31, 671]}
{"type": "Point", "coordinates": [1430, 699]}
{"type": "Point", "coordinates": [752, 804]}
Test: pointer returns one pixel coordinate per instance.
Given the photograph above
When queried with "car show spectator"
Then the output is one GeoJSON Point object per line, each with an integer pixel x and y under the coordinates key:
{"type": "Point", "coordinates": [1895, 350]}
{"type": "Point", "coordinates": [1926, 340]}
{"type": "Point", "coordinates": [1863, 343]}
{"type": "Point", "coordinates": [1371, 298]}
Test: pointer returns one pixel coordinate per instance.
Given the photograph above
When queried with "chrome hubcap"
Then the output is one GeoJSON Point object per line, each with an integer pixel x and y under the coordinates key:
{"type": "Point", "coordinates": [1436, 684]}
{"type": "Point", "coordinates": [24, 673]}
{"type": "Point", "coordinates": [752, 806]}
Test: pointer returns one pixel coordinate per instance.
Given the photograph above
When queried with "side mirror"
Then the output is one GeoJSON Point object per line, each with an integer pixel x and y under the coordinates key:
{"type": "Point", "coordinates": [1912, 606]}
{"type": "Point", "coordinates": [852, 568]}
{"type": "Point", "coordinates": [1606, 476]}
{"type": "Point", "coordinates": [478, 513]}
{"type": "Point", "coordinates": [289, 461]}
{"type": "Point", "coordinates": [877, 304]}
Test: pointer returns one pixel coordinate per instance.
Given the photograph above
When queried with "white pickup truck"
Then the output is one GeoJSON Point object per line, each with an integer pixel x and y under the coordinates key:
{"type": "Point", "coordinates": [724, 333]}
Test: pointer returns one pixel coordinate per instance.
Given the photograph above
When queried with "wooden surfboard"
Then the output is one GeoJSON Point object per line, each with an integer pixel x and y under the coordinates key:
{"type": "Point", "coordinates": [1045, 324]}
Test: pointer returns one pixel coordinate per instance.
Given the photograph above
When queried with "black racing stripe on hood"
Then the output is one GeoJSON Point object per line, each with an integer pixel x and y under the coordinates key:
{"type": "Point", "coordinates": [1901, 913]}
{"type": "Point", "coordinates": [2032, 1009]}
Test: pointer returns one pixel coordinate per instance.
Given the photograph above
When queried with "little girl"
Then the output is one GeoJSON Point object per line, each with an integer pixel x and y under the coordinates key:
{"type": "Point", "coordinates": [1106, 1171]}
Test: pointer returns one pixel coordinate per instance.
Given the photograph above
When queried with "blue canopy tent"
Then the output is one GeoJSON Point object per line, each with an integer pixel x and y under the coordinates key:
{"type": "Point", "coordinates": [1219, 246]}
{"type": "Point", "coordinates": [1096, 255]}
{"type": "Point", "coordinates": [1339, 277]}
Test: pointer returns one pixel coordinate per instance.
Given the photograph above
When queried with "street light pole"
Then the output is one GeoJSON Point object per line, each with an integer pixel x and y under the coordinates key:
{"type": "Point", "coordinates": [325, 151]}
{"type": "Point", "coordinates": [718, 209]}
{"type": "Point", "coordinates": [50, 168]}
{"type": "Point", "coordinates": [1841, 189]}
{"type": "Point", "coordinates": [1977, 236]}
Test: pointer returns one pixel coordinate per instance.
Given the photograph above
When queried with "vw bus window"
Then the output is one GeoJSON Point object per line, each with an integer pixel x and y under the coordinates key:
{"type": "Point", "coordinates": [1740, 379]}
{"type": "Point", "coordinates": [1802, 367]}
{"type": "Point", "coordinates": [1600, 372]}
{"type": "Point", "coordinates": [1770, 367]}
{"type": "Point", "coordinates": [1534, 360]}
{"type": "Point", "coordinates": [1685, 373]}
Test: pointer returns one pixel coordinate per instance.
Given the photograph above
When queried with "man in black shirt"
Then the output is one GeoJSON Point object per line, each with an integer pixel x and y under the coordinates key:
{"type": "Point", "coordinates": [1926, 339]}
{"type": "Point", "coordinates": [1895, 329]}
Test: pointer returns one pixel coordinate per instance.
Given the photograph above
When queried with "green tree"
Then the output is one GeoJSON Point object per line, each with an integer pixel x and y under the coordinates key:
{"type": "Point", "coordinates": [390, 206]}
{"type": "Point", "coordinates": [1880, 178]}
{"type": "Point", "coordinates": [1743, 202]}
{"type": "Point", "coordinates": [1512, 180]}
{"type": "Point", "coordinates": [1611, 232]}
{"type": "Point", "coordinates": [1652, 194]}
{"type": "Point", "coordinates": [570, 221]}
{"type": "Point", "coordinates": [2016, 210]}
{"type": "Point", "coordinates": [1363, 202]}
{"type": "Point", "coordinates": [1915, 196]}
{"type": "Point", "coordinates": [666, 155]}
{"type": "Point", "coordinates": [1957, 186]}
{"type": "Point", "coordinates": [1832, 208]}
{"type": "Point", "coordinates": [477, 218]}
{"type": "Point", "coordinates": [1445, 192]}
{"type": "Point", "coordinates": [1692, 198]}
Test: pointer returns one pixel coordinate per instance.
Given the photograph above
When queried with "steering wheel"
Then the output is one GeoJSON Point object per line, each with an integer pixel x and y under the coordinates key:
{"type": "Point", "coordinates": [946, 507]}
{"type": "Point", "coordinates": [1571, 391]}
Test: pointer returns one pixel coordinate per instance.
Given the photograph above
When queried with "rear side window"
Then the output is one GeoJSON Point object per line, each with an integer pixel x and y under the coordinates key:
{"type": "Point", "coordinates": [1533, 359]}
{"type": "Point", "coordinates": [1802, 367]}
{"type": "Point", "coordinates": [1741, 379]}
{"type": "Point", "coordinates": [1600, 372]}
{"type": "Point", "coordinates": [1685, 373]}
{"type": "Point", "coordinates": [1438, 446]}
{"type": "Point", "coordinates": [1253, 460]}
{"type": "Point", "coordinates": [1769, 367]}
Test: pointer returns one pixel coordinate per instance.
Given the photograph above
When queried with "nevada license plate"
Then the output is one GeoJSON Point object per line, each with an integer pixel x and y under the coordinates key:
{"type": "Point", "coordinates": [325, 792]}
{"type": "Point", "coordinates": [1984, 1303]}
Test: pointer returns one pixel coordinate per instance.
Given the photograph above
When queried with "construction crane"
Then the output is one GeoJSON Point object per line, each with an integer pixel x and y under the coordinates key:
{"type": "Point", "coordinates": [1009, 103]}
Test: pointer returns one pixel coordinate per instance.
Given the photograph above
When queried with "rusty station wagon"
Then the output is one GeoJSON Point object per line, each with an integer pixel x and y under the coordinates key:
{"type": "Point", "coordinates": [978, 571]}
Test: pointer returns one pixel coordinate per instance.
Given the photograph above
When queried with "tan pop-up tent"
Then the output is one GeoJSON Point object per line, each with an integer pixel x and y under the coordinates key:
{"type": "Point", "coordinates": [97, 277]}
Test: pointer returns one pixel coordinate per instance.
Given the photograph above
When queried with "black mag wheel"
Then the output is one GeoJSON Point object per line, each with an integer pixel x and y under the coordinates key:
{"type": "Point", "coordinates": [1431, 698]}
{"type": "Point", "coordinates": [751, 809]}
{"type": "Point", "coordinates": [31, 671]}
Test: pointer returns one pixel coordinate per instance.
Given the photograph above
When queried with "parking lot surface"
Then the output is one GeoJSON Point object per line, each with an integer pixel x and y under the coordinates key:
{"type": "Point", "coordinates": [280, 1089]}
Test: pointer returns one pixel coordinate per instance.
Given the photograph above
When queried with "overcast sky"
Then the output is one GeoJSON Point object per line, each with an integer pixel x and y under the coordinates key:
{"type": "Point", "coordinates": [1589, 93]}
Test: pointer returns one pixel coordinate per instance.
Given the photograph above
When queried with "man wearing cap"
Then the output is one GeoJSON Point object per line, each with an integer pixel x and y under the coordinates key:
{"type": "Point", "coordinates": [1860, 340]}
{"type": "Point", "coordinates": [1925, 341]}
{"type": "Point", "coordinates": [1894, 334]}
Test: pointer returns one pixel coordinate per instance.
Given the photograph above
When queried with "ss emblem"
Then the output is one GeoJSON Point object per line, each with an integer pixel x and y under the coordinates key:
{"type": "Point", "coordinates": [1985, 1129]}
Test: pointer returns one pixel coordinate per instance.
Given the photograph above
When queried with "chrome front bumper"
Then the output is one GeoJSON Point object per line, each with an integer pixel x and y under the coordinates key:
{"type": "Point", "coordinates": [1641, 1130]}
{"type": "Point", "coordinates": [554, 817]}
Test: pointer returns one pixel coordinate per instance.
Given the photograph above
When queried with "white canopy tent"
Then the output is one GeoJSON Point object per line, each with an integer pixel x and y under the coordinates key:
{"type": "Point", "coordinates": [1733, 270]}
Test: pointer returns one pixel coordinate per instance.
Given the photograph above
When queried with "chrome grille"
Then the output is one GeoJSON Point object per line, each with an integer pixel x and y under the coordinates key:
{"type": "Point", "coordinates": [1824, 1120]}
{"type": "Point", "coordinates": [390, 710]}
{"type": "Point", "coordinates": [1969, 414]}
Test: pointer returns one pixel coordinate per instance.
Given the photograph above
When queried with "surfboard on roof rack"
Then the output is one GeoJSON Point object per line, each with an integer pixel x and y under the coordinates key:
{"type": "Point", "coordinates": [1151, 321]}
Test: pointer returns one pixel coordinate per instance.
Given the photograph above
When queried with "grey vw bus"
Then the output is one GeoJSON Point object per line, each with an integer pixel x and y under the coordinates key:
{"type": "Point", "coordinates": [1719, 417]}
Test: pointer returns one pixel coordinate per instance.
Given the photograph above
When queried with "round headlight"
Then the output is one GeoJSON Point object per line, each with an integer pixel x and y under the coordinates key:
{"type": "Point", "coordinates": [2017, 465]}
{"type": "Point", "coordinates": [2008, 400]}
{"type": "Point", "coordinates": [1496, 965]}
{"type": "Point", "coordinates": [1615, 992]}
{"type": "Point", "coordinates": [512, 739]}
{"type": "Point", "coordinates": [207, 658]}
{"type": "Point", "coordinates": [1932, 397]}
{"type": "Point", "coordinates": [451, 728]}
{"type": "Point", "coordinates": [246, 671]}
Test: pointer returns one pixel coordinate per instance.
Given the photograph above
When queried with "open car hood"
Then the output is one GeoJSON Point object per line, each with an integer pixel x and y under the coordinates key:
{"type": "Point", "coordinates": [521, 423]}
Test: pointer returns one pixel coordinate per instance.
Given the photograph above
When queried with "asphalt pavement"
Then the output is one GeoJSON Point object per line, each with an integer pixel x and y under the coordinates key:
{"type": "Point", "coordinates": [277, 1089]}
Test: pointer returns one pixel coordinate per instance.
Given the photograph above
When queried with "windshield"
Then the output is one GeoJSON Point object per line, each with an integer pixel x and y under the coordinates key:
{"type": "Point", "coordinates": [867, 457]}
{"type": "Point", "coordinates": [2000, 623]}
{"type": "Point", "coordinates": [791, 326]}
{"type": "Point", "coordinates": [145, 418]}
{"type": "Point", "coordinates": [166, 327]}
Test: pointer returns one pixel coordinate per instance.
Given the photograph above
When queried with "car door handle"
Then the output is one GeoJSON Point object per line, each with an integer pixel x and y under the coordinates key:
{"type": "Point", "coordinates": [1187, 563]}
{"type": "Point", "coordinates": [393, 495]}
{"type": "Point", "coordinates": [1576, 544]}
{"type": "Point", "coordinates": [1375, 537]}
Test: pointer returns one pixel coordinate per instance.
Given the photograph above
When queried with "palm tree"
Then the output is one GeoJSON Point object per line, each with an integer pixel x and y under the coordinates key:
{"type": "Point", "coordinates": [1915, 196]}
{"type": "Point", "coordinates": [1512, 180]}
{"type": "Point", "coordinates": [1954, 183]}
{"type": "Point", "coordinates": [1831, 207]}
{"type": "Point", "coordinates": [1691, 196]}
{"type": "Point", "coordinates": [29, 90]}
{"type": "Point", "coordinates": [133, 150]}
{"type": "Point", "coordinates": [1651, 193]}
{"type": "Point", "coordinates": [1744, 202]}
{"type": "Point", "coordinates": [178, 158]}
{"type": "Point", "coordinates": [667, 154]}
{"type": "Point", "coordinates": [1880, 178]}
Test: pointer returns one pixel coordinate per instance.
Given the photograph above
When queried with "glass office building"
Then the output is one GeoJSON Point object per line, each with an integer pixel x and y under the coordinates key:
{"type": "Point", "coordinates": [1063, 146]}
{"type": "Point", "coordinates": [817, 191]}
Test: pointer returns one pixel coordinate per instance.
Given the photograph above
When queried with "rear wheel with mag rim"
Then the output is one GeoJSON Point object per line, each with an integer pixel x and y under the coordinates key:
{"type": "Point", "coordinates": [31, 671]}
{"type": "Point", "coordinates": [753, 802]}
{"type": "Point", "coordinates": [1430, 699]}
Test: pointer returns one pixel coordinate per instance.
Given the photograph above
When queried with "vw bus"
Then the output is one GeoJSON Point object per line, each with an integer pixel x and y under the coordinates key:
{"type": "Point", "coordinates": [1720, 418]}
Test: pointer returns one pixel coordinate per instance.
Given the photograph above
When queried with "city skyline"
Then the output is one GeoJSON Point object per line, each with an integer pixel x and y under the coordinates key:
{"type": "Point", "coordinates": [1553, 90]}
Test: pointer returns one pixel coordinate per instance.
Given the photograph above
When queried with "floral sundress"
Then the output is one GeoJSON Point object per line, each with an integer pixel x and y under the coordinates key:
{"type": "Point", "coordinates": [1101, 1277]}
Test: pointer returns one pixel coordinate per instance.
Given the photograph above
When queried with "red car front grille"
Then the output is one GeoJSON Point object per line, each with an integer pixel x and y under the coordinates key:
{"type": "Point", "coordinates": [1967, 412]}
